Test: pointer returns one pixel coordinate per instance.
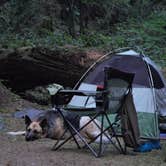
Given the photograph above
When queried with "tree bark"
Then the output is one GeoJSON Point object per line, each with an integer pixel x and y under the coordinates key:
{"type": "Point", "coordinates": [25, 68]}
{"type": "Point", "coordinates": [81, 18]}
{"type": "Point", "coordinates": [71, 17]}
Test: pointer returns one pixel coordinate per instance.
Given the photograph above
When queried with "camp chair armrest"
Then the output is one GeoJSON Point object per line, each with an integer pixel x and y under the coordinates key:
{"type": "Point", "coordinates": [79, 92]}
{"type": "Point", "coordinates": [71, 108]}
{"type": "Point", "coordinates": [63, 97]}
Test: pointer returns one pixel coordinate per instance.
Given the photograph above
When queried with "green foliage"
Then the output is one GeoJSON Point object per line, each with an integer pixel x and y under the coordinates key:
{"type": "Point", "coordinates": [51, 40]}
{"type": "Point", "coordinates": [19, 14]}
{"type": "Point", "coordinates": [95, 40]}
{"type": "Point", "coordinates": [30, 23]}
{"type": "Point", "coordinates": [148, 35]}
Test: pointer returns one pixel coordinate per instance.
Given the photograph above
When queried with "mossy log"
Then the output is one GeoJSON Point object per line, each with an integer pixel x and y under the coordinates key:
{"type": "Point", "coordinates": [25, 68]}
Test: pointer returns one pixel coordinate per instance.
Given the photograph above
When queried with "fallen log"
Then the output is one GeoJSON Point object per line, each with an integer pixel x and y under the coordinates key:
{"type": "Point", "coordinates": [25, 68]}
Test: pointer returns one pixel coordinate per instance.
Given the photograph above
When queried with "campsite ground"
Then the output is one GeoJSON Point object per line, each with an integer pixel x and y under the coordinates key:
{"type": "Point", "coordinates": [15, 151]}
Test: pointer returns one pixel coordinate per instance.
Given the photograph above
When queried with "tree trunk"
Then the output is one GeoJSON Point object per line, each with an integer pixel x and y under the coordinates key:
{"type": "Point", "coordinates": [71, 18]}
{"type": "Point", "coordinates": [133, 2]}
{"type": "Point", "coordinates": [81, 19]}
{"type": "Point", "coordinates": [71, 23]}
{"type": "Point", "coordinates": [26, 68]}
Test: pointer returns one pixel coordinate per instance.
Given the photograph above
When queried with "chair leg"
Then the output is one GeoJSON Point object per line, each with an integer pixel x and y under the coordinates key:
{"type": "Point", "coordinates": [59, 139]}
{"type": "Point", "coordinates": [76, 132]}
{"type": "Point", "coordinates": [110, 138]}
{"type": "Point", "coordinates": [99, 127]}
{"type": "Point", "coordinates": [101, 135]}
{"type": "Point", "coordinates": [83, 140]}
{"type": "Point", "coordinates": [121, 150]}
{"type": "Point", "coordinates": [56, 146]}
{"type": "Point", "coordinates": [75, 140]}
{"type": "Point", "coordinates": [125, 148]}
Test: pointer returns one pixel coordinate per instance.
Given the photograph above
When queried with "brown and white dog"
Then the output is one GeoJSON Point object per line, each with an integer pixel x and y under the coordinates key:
{"type": "Point", "coordinates": [51, 125]}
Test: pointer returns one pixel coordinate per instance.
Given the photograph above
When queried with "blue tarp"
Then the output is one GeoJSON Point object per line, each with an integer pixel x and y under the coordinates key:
{"type": "Point", "coordinates": [32, 113]}
{"type": "Point", "coordinates": [148, 146]}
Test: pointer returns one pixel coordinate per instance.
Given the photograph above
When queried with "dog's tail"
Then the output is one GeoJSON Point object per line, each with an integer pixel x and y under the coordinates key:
{"type": "Point", "coordinates": [14, 133]}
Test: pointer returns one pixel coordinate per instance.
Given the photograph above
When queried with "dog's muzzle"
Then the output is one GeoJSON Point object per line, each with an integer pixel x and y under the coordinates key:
{"type": "Point", "coordinates": [30, 137]}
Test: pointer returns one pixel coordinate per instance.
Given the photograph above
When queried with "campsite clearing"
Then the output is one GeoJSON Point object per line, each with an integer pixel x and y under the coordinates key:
{"type": "Point", "coordinates": [15, 151]}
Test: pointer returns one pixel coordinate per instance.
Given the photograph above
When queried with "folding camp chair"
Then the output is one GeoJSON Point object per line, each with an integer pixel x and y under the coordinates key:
{"type": "Point", "coordinates": [96, 105]}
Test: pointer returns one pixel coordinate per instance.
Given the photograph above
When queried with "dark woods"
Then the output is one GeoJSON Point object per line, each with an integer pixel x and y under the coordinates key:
{"type": "Point", "coordinates": [77, 15]}
{"type": "Point", "coordinates": [107, 24]}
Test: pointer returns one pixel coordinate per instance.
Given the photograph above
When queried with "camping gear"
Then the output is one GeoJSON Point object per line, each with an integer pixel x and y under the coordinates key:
{"type": "Point", "coordinates": [32, 113]}
{"type": "Point", "coordinates": [148, 146]}
{"type": "Point", "coordinates": [148, 87]}
{"type": "Point", "coordinates": [97, 105]}
{"type": "Point", "coordinates": [147, 100]}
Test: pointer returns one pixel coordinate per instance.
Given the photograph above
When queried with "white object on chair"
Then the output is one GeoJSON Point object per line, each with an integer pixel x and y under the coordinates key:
{"type": "Point", "coordinates": [84, 101]}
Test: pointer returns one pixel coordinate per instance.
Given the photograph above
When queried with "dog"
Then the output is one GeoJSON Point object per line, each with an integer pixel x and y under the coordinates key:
{"type": "Point", "coordinates": [51, 125]}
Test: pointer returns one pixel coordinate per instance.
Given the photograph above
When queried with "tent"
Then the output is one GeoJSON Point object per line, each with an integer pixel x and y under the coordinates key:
{"type": "Point", "coordinates": [148, 88]}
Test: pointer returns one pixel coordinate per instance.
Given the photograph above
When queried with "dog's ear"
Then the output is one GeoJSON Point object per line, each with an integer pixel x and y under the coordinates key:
{"type": "Point", "coordinates": [27, 120]}
{"type": "Point", "coordinates": [43, 123]}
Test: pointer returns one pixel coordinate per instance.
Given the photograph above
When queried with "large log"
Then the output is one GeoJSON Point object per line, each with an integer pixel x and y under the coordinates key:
{"type": "Point", "coordinates": [25, 68]}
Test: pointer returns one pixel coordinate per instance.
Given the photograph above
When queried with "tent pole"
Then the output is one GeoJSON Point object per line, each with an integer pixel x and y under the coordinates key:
{"type": "Point", "coordinates": [95, 63]}
{"type": "Point", "coordinates": [142, 55]}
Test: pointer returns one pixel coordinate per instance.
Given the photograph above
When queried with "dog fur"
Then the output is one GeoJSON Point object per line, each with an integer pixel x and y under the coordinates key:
{"type": "Point", "coordinates": [51, 125]}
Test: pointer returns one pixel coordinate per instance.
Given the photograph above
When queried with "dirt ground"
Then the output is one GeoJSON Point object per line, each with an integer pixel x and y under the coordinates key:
{"type": "Point", "coordinates": [15, 151]}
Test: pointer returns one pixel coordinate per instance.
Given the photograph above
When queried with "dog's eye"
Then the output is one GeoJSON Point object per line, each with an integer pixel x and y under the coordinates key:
{"type": "Point", "coordinates": [28, 130]}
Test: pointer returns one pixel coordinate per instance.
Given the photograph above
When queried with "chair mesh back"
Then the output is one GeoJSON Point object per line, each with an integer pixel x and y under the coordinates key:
{"type": "Point", "coordinates": [117, 83]}
{"type": "Point", "coordinates": [117, 89]}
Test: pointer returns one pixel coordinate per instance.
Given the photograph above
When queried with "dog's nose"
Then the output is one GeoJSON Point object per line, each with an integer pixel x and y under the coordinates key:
{"type": "Point", "coordinates": [28, 138]}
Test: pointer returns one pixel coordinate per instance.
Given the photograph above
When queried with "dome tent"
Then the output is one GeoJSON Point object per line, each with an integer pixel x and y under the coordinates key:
{"type": "Point", "coordinates": [148, 87]}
